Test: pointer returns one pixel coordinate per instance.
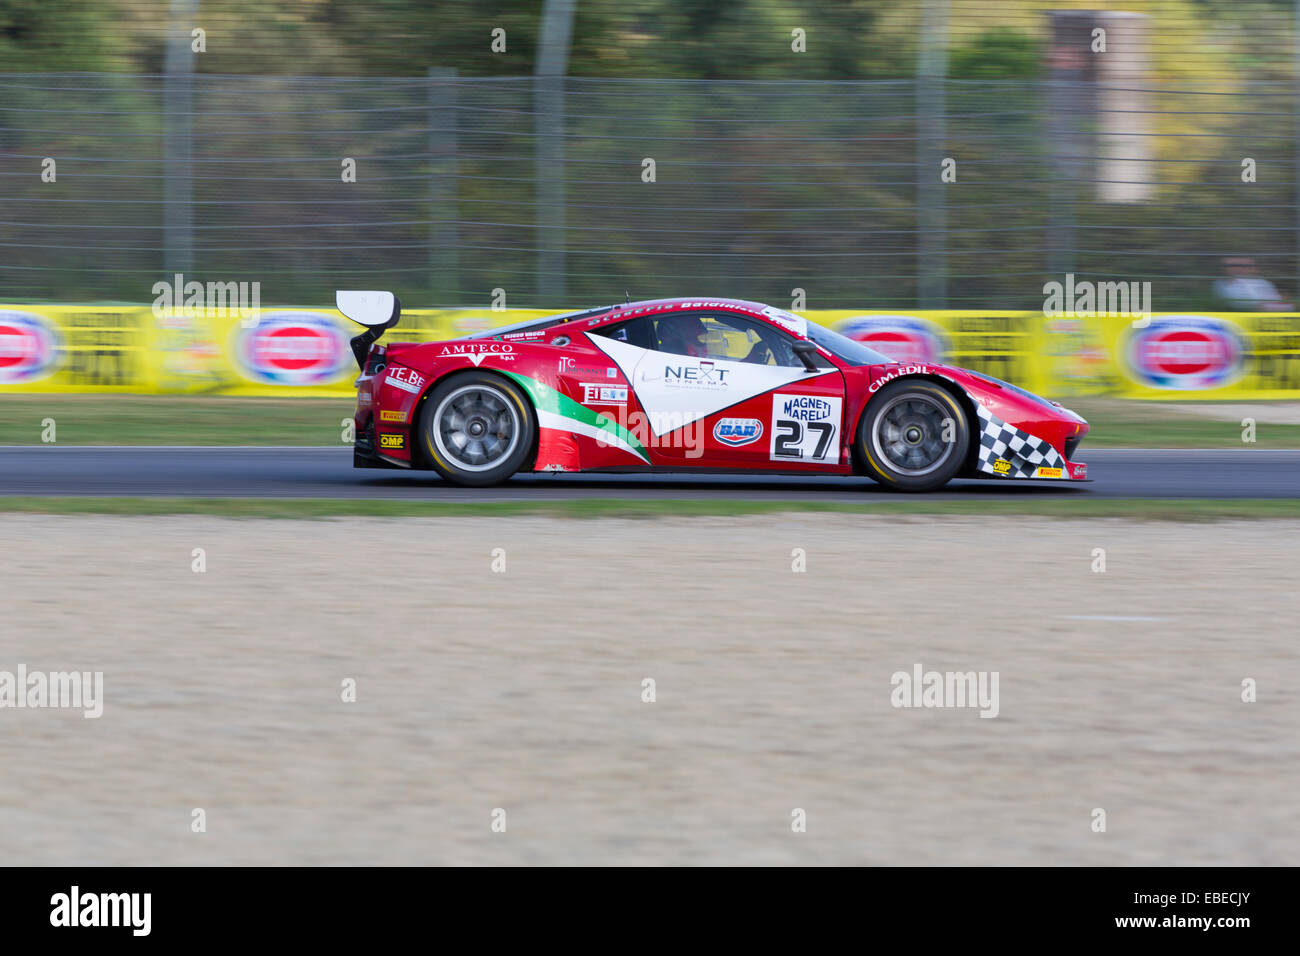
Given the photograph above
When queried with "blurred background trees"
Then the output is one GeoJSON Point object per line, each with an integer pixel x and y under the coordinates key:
{"type": "Point", "coordinates": [762, 186]}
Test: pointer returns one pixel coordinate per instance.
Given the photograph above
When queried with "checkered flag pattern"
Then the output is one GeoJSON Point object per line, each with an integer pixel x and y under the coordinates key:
{"type": "Point", "coordinates": [1023, 451]}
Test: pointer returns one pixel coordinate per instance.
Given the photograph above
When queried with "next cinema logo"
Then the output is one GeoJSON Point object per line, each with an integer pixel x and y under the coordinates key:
{"type": "Point", "coordinates": [29, 347]}
{"type": "Point", "coordinates": [705, 374]}
{"type": "Point", "coordinates": [1184, 352]}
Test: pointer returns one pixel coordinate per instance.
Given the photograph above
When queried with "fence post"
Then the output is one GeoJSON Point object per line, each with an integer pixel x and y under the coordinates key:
{"type": "Point", "coordinates": [178, 143]}
{"type": "Point", "coordinates": [931, 214]}
{"type": "Point", "coordinates": [444, 277]}
{"type": "Point", "coordinates": [1295, 169]}
{"type": "Point", "coordinates": [552, 64]}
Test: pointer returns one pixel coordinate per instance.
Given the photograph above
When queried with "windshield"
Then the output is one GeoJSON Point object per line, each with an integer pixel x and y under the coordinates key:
{"type": "Point", "coordinates": [532, 325]}
{"type": "Point", "coordinates": [844, 348]}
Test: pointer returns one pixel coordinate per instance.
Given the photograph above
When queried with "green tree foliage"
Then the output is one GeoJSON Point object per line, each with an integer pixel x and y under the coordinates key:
{"type": "Point", "coordinates": [38, 36]}
{"type": "Point", "coordinates": [999, 54]}
{"type": "Point", "coordinates": [696, 39]}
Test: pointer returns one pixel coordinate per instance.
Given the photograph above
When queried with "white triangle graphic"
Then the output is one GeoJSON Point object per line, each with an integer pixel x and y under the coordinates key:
{"type": "Point", "coordinates": [676, 390]}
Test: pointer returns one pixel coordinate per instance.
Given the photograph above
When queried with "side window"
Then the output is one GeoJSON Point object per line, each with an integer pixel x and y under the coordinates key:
{"type": "Point", "coordinates": [732, 338]}
{"type": "Point", "coordinates": [634, 332]}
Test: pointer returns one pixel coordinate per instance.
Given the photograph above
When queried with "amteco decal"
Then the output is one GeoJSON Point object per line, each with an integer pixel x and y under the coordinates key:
{"type": "Point", "coordinates": [476, 351]}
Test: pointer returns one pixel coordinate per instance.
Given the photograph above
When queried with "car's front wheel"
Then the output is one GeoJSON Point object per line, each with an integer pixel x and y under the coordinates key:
{"type": "Point", "coordinates": [477, 429]}
{"type": "Point", "coordinates": [913, 436]}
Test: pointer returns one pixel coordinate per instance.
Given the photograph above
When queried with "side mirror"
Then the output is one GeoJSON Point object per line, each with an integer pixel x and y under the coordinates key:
{"type": "Point", "coordinates": [807, 353]}
{"type": "Point", "coordinates": [373, 309]}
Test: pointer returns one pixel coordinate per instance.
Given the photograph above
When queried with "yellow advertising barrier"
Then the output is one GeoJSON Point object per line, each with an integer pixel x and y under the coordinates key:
{"type": "Point", "coordinates": [283, 353]}
{"type": "Point", "coordinates": [1169, 356]}
{"type": "Point", "coordinates": [304, 352]}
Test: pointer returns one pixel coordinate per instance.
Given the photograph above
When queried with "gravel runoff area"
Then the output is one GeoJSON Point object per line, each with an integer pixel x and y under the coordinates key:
{"type": "Point", "coordinates": [523, 690]}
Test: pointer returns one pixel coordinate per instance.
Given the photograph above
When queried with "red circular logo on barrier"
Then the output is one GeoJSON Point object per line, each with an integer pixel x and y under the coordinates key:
{"type": "Point", "coordinates": [293, 348]}
{"type": "Point", "coordinates": [903, 338]}
{"type": "Point", "coordinates": [29, 347]}
{"type": "Point", "coordinates": [1185, 352]}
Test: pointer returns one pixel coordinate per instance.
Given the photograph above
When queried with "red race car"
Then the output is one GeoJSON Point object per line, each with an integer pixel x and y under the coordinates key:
{"type": "Point", "coordinates": [686, 384]}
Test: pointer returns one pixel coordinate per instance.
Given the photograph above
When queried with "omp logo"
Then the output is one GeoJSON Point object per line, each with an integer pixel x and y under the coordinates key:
{"type": "Point", "coordinates": [1001, 466]}
{"type": "Point", "coordinates": [738, 431]}
{"type": "Point", "coordinates": [74, 908]}
{"type": "Point", "coordinates": [29, 347]}
{"type": "Point", "coordinates": [392, 441]}
{"type": "Point", "coordinates": [292, 348]}
{"type": "Point", "coordinates": [476, 351]}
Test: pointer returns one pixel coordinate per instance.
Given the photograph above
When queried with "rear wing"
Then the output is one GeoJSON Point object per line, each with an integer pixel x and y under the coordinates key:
{"type": "Point", "coordinates": [378, 311]}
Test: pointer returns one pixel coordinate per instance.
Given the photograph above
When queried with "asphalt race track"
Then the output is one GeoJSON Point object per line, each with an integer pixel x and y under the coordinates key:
{"type": "Point", "coordinates": [249, 472]}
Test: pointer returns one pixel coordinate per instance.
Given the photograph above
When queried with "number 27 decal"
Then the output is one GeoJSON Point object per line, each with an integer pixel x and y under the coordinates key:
{"type": "Point", "coordinates": [790, 438]}
{"type": "Point", "coordinates": [804, 428]}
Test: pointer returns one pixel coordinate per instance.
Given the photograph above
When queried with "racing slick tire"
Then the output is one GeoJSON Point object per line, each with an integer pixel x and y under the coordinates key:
{"type": "Point", "coordinates": [477, 429]}
{"type": "Point", "coordinates": [904, 439]}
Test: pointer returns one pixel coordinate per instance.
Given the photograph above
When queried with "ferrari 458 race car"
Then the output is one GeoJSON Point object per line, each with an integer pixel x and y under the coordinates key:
{"type": "Point", "coordinates": [685, 385]}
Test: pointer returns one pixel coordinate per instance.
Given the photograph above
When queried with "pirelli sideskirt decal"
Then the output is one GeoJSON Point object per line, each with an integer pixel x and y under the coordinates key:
{"type": "Point", "coordinates": [556, 410]}
{"type": "Point", "coordinates": [676, 390]}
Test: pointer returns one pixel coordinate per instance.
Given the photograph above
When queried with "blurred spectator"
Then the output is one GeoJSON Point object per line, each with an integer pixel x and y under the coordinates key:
{"type": "Point", "coordinates": [1245, 289]}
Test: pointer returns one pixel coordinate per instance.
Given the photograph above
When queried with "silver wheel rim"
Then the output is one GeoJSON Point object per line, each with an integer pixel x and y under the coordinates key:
{"type": "Point", "coordinates": [476, 427]}
{"type": "Point", "coordinates": [907, 434]}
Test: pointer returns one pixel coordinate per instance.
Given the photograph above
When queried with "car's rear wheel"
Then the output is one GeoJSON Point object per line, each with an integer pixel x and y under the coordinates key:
{"type": "Point", "coordinates": [477, 429]}
{"type": "Point", "coordinates": [913, 436]}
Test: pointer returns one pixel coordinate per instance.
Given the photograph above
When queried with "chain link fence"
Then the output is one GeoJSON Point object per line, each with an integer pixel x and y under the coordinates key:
{"type": "Point", "coordinates": [563, 192]}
